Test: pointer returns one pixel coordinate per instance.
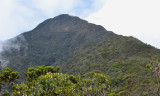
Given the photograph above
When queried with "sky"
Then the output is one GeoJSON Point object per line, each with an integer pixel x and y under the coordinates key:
{"type": "Point", "coordinates": [138, 18]}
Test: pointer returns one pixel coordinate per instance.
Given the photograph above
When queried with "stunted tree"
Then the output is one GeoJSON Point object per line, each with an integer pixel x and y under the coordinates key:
{"type": "Point", "coordinates": [7, 76]}
{"type": "Point", "coordinates": [47, 81]}
{"type": "Point", "coordinates": [155, 66]}
{"type": "Point", "coordinates": [33, 73]}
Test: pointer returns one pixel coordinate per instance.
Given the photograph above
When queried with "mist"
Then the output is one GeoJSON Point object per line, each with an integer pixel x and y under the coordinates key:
{"type": "Point", "coordinates": [17, 44]}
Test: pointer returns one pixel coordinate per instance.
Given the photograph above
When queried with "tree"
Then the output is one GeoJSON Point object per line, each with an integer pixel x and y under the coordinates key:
{"type": "Point", "coordinates": [33, 73]}
{"type": "Point", "coordinates": [46, 81]}
{"type": "Point", "coordinates": [8, 76]}
{"type": "Point", "coordinates": [155, 65]}
{"type": "Point", "coordinates": [51, 84]}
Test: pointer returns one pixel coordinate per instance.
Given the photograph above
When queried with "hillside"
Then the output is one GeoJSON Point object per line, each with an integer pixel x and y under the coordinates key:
{"type": "Point", "coordinates": [81, 47]}
{"type": "Point", "coordinates": [102, 56]}
{"type": "Point", "coordinates": [124, 59]}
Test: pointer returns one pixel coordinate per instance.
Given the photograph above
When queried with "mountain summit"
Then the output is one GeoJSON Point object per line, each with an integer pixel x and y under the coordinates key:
{"type": "Point", "coordinates": [59, 37]}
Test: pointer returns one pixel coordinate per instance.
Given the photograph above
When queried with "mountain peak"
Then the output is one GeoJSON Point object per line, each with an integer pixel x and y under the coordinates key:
{"type": "Point", "coordinates": [60, 20]}
{"type": "Point", "coordinates": [64, 16]}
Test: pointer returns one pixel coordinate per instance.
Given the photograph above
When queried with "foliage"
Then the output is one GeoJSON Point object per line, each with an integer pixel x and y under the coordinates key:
{"type": "Point", "coordinates": [34, 73]}
{"type": "Point", "coordinates": [7, 76]}
{"type": "Point", "coordinates": [5, 94]}
{"type": "Point", "coordinates": [154, 65]}
{"type": "Point", "coordinates": [46, 85]}
{"type": "Point", "coordinates": [58, 84]}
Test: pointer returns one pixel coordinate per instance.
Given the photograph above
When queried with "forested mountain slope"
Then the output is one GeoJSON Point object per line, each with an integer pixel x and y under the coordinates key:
{"type": "Point", "coordinates": [102, 56]}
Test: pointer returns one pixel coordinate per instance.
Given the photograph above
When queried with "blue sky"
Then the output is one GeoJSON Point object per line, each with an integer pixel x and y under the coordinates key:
{"type": "Point", "coordinates": [138, 18]}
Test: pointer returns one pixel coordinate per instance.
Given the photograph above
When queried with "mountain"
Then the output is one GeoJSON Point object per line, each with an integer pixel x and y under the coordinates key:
{"type": "Point", "coordinates": [53, 42]}
{"type": "Point", "coordinates": [78, 46]}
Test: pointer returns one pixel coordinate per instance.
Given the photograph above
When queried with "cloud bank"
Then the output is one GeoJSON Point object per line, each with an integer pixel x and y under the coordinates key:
{"type": "Point", "coordinates": [138, 18]}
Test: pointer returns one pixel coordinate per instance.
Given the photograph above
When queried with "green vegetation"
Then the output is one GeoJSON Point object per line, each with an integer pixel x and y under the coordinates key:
{"type": "Point", "coordinates": [124, 59]}
{"type": "Point", "coordinates": [47, 81]}
{"type": "Point", "coordinates": [154, 65]}
{"type": "Point", "coordinates": [7, 78]}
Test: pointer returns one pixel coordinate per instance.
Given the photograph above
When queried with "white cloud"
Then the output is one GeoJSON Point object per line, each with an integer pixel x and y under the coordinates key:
{"type": "Point", "coordinates": [18, 16]}
{"type": "Point", "coordinates": [139, 18]}
{"type": "Point", "coordinates": [50, 7]}
{"type": "Point", "coordinates": [13, 18]}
